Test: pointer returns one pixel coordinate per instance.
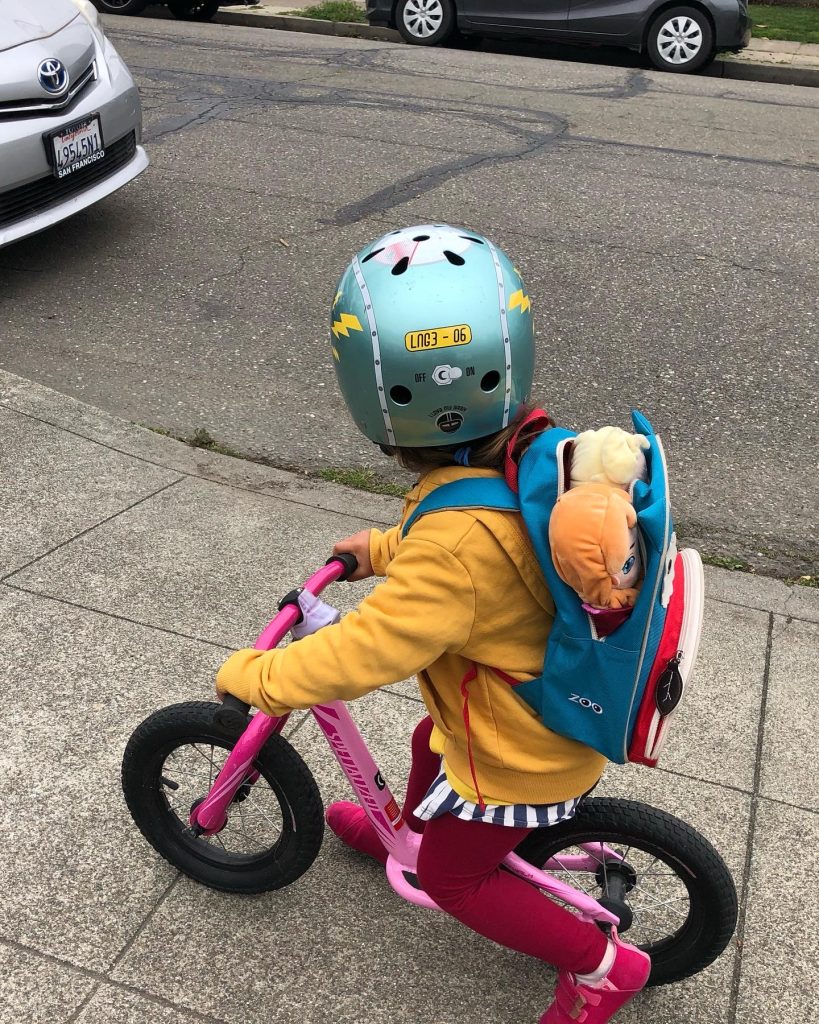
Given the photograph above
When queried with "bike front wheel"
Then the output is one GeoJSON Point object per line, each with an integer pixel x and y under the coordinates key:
{"type": "Point", "coordinates": [673, 892]}
{"type": "Point", "coordinates": [275, 823]}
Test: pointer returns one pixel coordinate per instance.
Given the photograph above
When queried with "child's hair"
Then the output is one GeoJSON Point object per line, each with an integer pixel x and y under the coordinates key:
{"type": "Point", "coordinates": [483, 453]}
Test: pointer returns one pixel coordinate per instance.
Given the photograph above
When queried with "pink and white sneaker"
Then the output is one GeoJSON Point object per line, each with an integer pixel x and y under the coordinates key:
{"type": "Point", "coordinates": [597, 1002]}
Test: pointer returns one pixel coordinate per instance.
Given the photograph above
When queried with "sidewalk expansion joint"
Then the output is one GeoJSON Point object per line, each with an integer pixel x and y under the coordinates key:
{"type": "Point", "coordinates": [90, 529]}
{"type": "Point", "coordinates": [387, 692]}
{"type": "Point", "coordinates": [744, 887]}
{"type": "Point", "coordinates": [79, 1009]}
{"type": "Point", "coordinates": [119, 618]}
{"type": "Point", "coordinates": [126, 949]}
{"type": "Point", "coordinates": [787, 803]}
{"type": "Point", "coordinates": [787, 616]}
{"type": "Point", "coordinates": [101, 978]}
{"type": "Point", "coordinates": [758, 798]}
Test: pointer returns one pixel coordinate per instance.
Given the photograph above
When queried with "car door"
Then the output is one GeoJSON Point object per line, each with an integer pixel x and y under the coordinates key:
{"type": "Point", "coordinates": [614, 20]}
{"type": "Point", "coordinates": [517, 16]}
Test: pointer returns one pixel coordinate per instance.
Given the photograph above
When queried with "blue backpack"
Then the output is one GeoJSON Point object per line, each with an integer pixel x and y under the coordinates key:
{"type": "Point", "coordinates": [614, 691]}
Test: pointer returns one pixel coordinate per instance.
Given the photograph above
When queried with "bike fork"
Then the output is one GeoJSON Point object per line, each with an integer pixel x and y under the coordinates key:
{"type": "Point", "coordinates": [210, 816]}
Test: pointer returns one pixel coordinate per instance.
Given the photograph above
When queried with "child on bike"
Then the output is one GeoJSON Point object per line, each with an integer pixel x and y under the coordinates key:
{"type": "Point", "coordinates": [433, 346]}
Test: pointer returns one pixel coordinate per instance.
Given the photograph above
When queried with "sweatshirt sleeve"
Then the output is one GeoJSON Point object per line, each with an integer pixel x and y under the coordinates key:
{"type": "Point", "coordinates": [426, 607]}
{"type": "Point", "coordinates": [383, 546]}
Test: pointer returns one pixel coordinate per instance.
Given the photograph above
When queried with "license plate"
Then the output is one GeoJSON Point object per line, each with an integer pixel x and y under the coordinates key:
{"type": "Point", "coordinates": [75, 146]}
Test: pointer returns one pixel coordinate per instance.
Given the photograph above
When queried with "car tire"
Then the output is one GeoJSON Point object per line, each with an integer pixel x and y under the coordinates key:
{"type": "Point", "coordinates": [425, 22]}
{"type": "Point", "coordinates": [191, 10]}
{"type": "Point", "coordinates": [130, 7]}
{"type": "Point", "coordinates": [680, 40]}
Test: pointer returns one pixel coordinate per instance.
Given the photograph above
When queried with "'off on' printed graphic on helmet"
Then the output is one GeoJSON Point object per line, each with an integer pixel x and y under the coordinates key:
{"type": "Point", "coordinates": [432, 339]}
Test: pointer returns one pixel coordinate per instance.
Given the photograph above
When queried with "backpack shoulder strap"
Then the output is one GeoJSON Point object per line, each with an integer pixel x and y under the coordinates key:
{"type": "Point", "coordinates": [471, 492]}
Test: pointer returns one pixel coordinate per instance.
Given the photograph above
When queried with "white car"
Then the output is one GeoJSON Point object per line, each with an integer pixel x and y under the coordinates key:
{"type": "Point", "coordinates": [70, 116]}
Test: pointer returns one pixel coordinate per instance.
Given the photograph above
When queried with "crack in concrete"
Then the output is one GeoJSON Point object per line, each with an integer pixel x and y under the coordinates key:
{"type": "Point", "coordinates": [790, 599]}
{"type": "Point", "coordinates": [240, 257]}
{"type": "Point", "coordinates": [745, 882]}
{"type": "Point", "coordinates": [171, 125]}
{"type": "Point", "coordinates": [250, 91]}
{"type": "Point", "coordinates": [416, 185]}
{"type": "Point", "coordinates": [753, 161]}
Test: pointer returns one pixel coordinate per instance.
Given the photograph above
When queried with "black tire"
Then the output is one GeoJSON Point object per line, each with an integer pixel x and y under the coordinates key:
{"type": "Point", "coordinates": [680, 40]}
{"type": "Point", "coordinates": [286, 821]}
{"type": "Point", "coordinates": [193, 10]}
{"type": "Point", "coordinates": [681, 939]}
{"type": "Point", "coordinates": [425, 22]}
{"type": "Point", "coordinates": [131, 7]}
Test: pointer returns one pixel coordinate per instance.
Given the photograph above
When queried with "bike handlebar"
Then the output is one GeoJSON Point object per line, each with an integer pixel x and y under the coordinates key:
{"type": "Point", "coordinates": [232, 715]}
{"type": "Point", "coordinates": [348, 560]}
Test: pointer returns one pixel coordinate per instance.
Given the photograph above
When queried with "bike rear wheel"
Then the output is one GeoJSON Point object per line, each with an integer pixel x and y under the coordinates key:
{"type": "Point", "coordinates": [275, 823]}
{"type": "Point", "coordinates": [672, 890]}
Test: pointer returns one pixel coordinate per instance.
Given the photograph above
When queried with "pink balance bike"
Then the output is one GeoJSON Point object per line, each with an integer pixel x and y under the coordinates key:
{"type": "Point", "coordinates": [227, 800]}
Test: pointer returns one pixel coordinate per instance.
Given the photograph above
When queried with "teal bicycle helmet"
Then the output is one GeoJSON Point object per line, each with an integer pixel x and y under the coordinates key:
{"type": "Point", "coordinates": [432, 339]}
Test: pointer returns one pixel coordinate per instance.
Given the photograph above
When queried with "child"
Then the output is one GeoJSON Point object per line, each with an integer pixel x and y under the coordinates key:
{"type": "Point", "coordinates": [433, 346]}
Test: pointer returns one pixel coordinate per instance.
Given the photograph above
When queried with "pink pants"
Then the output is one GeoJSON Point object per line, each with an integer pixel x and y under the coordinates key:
{"type": "Point", "coordinates": [459, 866]}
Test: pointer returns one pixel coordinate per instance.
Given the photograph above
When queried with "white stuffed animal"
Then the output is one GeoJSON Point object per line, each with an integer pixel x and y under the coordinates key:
{"type": "Point", "coordinates": [608, 455]}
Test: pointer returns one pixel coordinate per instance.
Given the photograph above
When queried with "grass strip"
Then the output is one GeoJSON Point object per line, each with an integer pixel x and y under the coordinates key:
{"type": "Point", "coordinates": [333, 10]}
{"type": "Point", "coordinates": [800, 24]}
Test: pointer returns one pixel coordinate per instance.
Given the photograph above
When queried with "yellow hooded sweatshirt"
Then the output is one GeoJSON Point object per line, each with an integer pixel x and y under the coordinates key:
{"type": "Point", "coordinates": [463, 588]}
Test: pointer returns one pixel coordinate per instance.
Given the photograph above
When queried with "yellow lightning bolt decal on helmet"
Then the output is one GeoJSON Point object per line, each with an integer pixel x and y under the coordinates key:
{"type": "Point", "coordinates": [336, 356]}
{"type": "Point", "coordinates": [347, 323]}
{"type": "Point", "coordinates": [518, 299]}
{"type": "Point", "coordinates": [335, 300]}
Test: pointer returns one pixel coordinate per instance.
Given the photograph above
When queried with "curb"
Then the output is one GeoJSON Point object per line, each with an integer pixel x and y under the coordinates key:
{"type": "Point", "coordinates": [90, 424]}
{"type": "Point", "coordinates": [84, 424]}
{"type": "Point", "coordinates": [782, 74]}
{"type": "Point", "coordinates": [289, 23]}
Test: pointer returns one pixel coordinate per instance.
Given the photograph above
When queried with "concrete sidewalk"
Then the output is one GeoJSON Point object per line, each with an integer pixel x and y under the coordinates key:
{"type": "Point", "coordinates": [764, 60]}
{"type": "Point", "coordinates": [131, 565]}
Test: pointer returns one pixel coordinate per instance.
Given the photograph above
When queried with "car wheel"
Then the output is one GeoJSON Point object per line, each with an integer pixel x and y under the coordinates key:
{"type": "Point", "coordinates": [190, 10]}
{"type": "Point", "coordinates": [681, 40]}
{"type": "Point", "coordinates": [131, 7]}
{"type": "Point", "coordinates": [425, 22]}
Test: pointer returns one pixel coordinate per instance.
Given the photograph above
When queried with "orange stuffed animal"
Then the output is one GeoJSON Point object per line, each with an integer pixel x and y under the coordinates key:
{"type": "Point", "coordinates": [593, 527]}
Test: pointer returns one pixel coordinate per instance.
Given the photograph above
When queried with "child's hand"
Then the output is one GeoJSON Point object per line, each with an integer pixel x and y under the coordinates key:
{"type": "Point", "coordinates": [358, 545]}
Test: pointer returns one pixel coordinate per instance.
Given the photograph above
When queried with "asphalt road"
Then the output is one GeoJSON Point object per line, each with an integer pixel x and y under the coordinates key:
{"type": "Point", "coordinates": [666, 228]}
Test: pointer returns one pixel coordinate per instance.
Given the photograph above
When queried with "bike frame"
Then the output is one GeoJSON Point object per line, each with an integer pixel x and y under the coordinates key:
{"type": "Point", "coordinates": [402, 843]}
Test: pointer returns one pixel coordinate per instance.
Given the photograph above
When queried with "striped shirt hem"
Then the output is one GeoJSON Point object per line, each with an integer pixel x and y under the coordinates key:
{"type": "Point", "coordinates": [441, 799]}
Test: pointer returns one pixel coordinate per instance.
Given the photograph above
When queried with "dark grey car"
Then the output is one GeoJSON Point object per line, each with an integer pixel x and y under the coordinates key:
{"type": "Point", "coordinates": [676, 36]}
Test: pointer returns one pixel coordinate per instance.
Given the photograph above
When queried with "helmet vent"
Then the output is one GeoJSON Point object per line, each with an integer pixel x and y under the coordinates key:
{"type": "Point", "coordinates": [469, 238]}
{"type": "Point", "coordinates": [400, 395]}
{"type": "Point", "coordinates": [421, 238]}
{"type": "Point", "coordinates": [490, 380]}
{"type": "Point", "coordinates": [401, 265]}
{"type": "Point", "coordinates": [370, 255]}
{"type": "Point", "coordinates": [454, 258]}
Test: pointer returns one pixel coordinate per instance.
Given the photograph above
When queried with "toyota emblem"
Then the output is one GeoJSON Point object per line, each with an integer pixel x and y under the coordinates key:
{"type": "Point", "coordinates": [53, 76]}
